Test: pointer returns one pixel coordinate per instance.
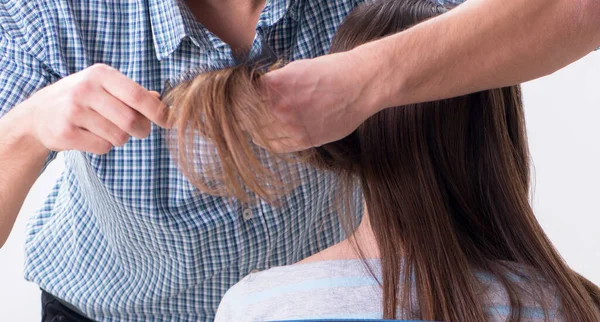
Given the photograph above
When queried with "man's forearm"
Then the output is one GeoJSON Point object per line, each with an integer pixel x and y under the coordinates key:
{"type": "Point", "coordinates": [21, 161]}
{"type": "Point", "coordinates": [482, 44]}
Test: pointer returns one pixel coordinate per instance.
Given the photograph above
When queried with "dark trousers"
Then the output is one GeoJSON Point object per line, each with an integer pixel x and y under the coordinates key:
{"type": "Point", "coordinates": [54, 311]}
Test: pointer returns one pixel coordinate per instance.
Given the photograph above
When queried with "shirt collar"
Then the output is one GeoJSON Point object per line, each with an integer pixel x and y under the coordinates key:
{"type": "Point", "coordinates": [274, 11]}
{"type": "Point", "coordinates": [172, 22]}
{"type": "Point", "coordinates": [168, 29]}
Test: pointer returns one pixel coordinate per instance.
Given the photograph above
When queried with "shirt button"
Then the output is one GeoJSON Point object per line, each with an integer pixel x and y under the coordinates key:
{"type": "Point", "coordinates": [254, 271]}
{"type": "Point", "coordinates": [247, 214]}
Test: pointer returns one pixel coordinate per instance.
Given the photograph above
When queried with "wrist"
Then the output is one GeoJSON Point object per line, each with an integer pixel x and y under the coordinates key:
{"type": "Point", "coordinates": [382, 83]}
{"type": "Point", "coordinates": [19, 130]}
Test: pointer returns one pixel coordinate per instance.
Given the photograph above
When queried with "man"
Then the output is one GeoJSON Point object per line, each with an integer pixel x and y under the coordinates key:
{"type": "Point", "coordinates": [123, 236]}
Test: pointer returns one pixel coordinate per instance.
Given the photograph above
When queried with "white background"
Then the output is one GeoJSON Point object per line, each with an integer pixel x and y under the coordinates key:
{"type": "Point", "coordinates": [563, 116]}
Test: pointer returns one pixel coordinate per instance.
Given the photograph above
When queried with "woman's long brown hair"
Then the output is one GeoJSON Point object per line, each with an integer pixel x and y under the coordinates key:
{"type": "Point", "coordinates": [446, 183]}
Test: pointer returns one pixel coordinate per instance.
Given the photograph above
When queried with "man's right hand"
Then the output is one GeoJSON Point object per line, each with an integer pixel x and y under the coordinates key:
{"type": "Point", "coordinates": [93, 110]}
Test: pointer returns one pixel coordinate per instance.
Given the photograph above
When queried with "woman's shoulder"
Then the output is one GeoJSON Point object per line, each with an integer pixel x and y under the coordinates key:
{"type": "Point", "coordinates": [275, 292]}
{"type": "Point", "coordinates": [303, 272]}
{"type": "Point", "coordinates": [327, 285]}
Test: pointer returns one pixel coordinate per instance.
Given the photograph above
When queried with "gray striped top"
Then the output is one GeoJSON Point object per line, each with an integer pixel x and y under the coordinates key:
{"type": "Point", "coordinates": [344, 289]}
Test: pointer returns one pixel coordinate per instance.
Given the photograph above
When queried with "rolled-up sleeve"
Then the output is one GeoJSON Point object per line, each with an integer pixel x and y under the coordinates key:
{"type": "Point", "coordinates": [21, 75]}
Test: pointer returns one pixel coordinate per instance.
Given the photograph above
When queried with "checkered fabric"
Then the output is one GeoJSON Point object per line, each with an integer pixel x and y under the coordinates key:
{"type": "Point", "coordinates": [124, 236]}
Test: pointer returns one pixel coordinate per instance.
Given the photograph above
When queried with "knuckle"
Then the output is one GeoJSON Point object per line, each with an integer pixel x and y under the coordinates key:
{"type": "Point", "coordinates": [66, 132]}
{"type": "Point", "coordinates": [99, 147]}
{"type": "Point", "coordinates": [121, 138]}
{"type": "Point", "coordinates": [146, 128]}
{"type": "Point", "coordinates": [96, 72]}
{"type": "Point", "coordinates": [74, 111]}
{"type": "Point", "coordinates": [130, 121]}
{"type": "Point", "coordinates": [136, 95]}
{"type": "Point", "coordinates": [100, 69]}
{"type": "Point", "coordinates": [104, 148]}
{"type": "Point", "coordinates": [80, 90]}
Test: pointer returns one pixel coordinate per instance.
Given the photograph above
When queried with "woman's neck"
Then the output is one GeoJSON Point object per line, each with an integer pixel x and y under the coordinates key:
{"type": "Point", "coordinates": [363, 240]}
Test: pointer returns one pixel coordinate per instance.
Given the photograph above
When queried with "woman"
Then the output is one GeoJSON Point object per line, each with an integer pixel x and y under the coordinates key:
{"type": "Point", "coordinates": [448, 232]}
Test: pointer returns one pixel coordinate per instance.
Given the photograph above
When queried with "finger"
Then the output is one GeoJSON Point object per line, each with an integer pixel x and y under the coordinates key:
{"type": "Point", "coordinates": [120, 114]}
{"type": "Point", "coordinates": [138, 98]}
{"type": "Point", "coordinates": [170, 118]}
{"type": "Point", "coordinates": [89, 142]}
{"type": "Point", "coordinates": [102, 127]}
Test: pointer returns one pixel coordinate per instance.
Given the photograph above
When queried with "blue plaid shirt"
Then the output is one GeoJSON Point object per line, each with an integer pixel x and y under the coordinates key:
{"type": "Point", "coordinates": [124, 236]}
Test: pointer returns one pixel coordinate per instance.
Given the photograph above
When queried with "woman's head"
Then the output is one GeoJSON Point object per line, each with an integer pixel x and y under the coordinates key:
{"type": "Point", "coordinates": [446, 183]}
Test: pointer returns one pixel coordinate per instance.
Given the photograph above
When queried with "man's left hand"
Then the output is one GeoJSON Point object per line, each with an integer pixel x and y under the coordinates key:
{"type": "Point", "coordinates": [316, 101]}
